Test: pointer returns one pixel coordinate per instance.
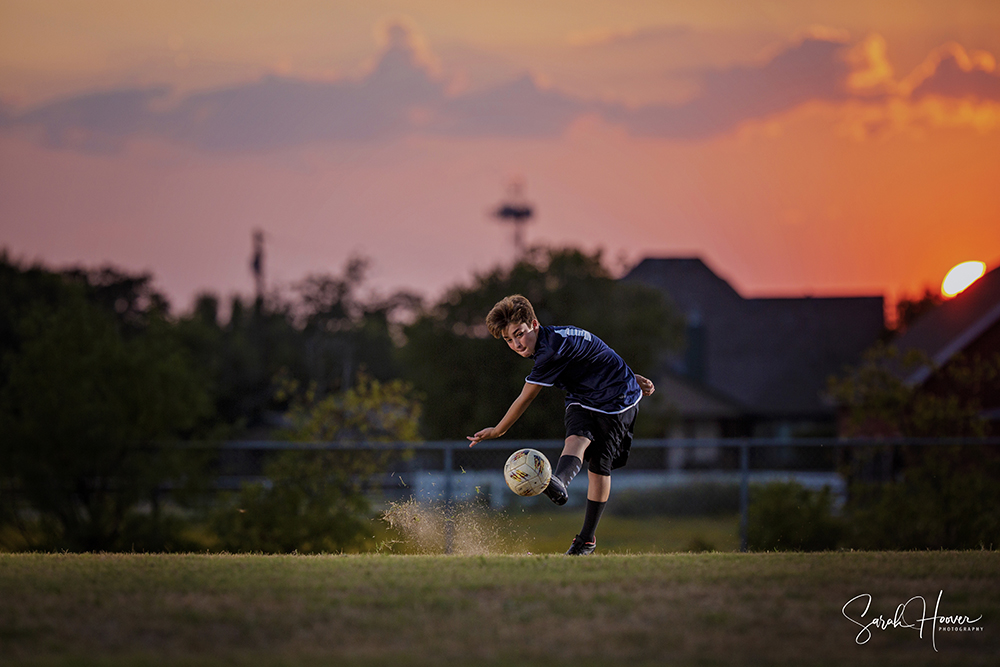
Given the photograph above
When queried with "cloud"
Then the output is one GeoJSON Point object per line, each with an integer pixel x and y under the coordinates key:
{"type": "Point", "coordinates": [812, 69]}
{"type": "Point", "coordinates": [95, 122]}
{"type": "Point", "coordinates": [403, 93]}
{"type": "Point", "coordinates": [951, 72]}
{"type": "Point", "coordinates": [519, 108]}
{"type": "Point", "coordinates": [400, 95]}
{"type": "Point", "coordinates": [952, 89]}
{"type": "Point", "coordinates": [275, 112]}
{"type": "Point", "coordinates": [278, 112]}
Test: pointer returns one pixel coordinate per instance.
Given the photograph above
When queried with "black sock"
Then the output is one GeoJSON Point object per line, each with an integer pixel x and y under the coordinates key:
{"type": "Point", "coordinates": [594, 511]}
{"type": "Point", "coordinates": [567, 467]}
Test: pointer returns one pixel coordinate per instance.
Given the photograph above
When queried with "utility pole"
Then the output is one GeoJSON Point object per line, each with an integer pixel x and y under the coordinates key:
{"type": "Point", "coordinates": [257, 265]}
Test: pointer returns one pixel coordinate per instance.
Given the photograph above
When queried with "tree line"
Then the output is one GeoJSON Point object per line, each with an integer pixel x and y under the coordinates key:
{"type": "Point", "coordinates": [104, 388]}
{"type": "Point", "coordinates": [102, 383]}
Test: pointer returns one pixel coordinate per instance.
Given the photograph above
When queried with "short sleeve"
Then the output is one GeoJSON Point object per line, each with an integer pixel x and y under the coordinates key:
{"type": "Point", "coordinates": [548, 367]}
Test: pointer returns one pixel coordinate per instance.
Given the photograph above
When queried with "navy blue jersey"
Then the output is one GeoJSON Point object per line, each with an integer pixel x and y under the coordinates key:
{"type": "Point", "coordinates": [591, 373]}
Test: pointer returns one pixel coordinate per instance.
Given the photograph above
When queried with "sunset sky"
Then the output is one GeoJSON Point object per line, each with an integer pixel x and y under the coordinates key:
{"type": "Point", "coordinates": [800, 147]}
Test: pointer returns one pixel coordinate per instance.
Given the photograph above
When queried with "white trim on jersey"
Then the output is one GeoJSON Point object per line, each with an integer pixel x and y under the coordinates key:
{"type": "Point", "coordinates": [605, 412]}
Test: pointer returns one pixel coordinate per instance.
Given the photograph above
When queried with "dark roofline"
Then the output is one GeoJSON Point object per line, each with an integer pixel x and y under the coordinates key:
{"type": "Point", "coordinates": [987, 289]}
{"type": "Point", "coordinates": [956, 345]}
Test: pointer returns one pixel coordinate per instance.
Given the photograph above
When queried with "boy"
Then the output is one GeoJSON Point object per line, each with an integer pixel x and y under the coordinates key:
{"type": "Point", "coordinates": [602, 398]}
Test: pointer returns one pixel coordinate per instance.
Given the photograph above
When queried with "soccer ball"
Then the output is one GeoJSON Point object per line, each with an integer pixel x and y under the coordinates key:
{"type": "Point", "coordinates": [527, 472]}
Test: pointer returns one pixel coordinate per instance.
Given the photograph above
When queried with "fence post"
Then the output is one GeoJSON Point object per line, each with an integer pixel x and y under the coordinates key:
{"type": "Point", "coordinates": [744, 494]}
{"type": "Point", "coordinates": [449, 510]}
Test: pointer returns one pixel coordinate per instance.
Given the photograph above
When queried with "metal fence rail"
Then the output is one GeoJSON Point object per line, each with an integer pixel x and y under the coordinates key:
{"type": "Point", "coordinates": [445, 461]}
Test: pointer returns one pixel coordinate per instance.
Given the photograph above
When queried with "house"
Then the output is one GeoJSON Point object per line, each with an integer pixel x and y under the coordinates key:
{"type": "Point", "coordinates": [756, 366]}
{"type": "Point", "coordinates": [968, 326]}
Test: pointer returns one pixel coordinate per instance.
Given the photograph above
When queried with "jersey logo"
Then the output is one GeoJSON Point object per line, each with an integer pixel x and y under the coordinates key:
{"type": "Point", "coordinates": [574, 332]}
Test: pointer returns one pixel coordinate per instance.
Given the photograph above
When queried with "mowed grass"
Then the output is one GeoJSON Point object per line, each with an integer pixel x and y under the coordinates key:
{"type": "Point", "coordinates": [420, 529]}
{"type": "Point", "coordinates": [638, 609]}
{"type": "Point", "coordinates": [552, 532]}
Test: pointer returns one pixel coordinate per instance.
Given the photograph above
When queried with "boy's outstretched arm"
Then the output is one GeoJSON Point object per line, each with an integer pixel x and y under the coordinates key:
{"type": "Point", "coordinates": [515, 410]}
{"type": "Point", "coordinates": [645, 384]}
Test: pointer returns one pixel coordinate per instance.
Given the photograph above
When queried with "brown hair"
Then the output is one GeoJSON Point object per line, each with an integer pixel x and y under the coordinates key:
{"type": "Point", "coordinates": [514, 309]}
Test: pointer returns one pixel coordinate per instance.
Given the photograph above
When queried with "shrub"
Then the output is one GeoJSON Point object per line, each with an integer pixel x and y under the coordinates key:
{"type": "Point", "coordinates": [945, 498]}
{"type": "Point", "coordinates": [315, 500]}
{"type": "Point", "coordinates": [785, 516]}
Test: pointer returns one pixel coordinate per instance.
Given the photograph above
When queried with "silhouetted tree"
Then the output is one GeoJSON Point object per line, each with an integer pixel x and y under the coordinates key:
{"type": "Point", "coordinates": [86, 413]}
{"type": "Point", "coordinates": [468, 379]}
{"type": "Point", "coordinates": [322, 335]}
{"type": "Point", "coordinates": [909, 310]}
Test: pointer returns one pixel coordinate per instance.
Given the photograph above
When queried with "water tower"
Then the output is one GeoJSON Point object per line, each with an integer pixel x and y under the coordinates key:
{"type": "Point", "coordinates": [515, 210]}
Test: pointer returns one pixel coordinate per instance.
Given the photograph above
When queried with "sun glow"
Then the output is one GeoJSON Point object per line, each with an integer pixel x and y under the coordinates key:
{"type": "Point", "coordinates": [961, 276]}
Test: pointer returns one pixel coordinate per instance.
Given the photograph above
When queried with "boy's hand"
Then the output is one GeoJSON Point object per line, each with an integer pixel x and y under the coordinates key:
{"type": "Point", "coordinates": [645, 384]}
{"type": "Point", "coordinates": [486, 434]}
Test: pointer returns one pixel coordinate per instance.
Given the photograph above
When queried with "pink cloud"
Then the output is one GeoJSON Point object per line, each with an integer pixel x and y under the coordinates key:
{"type": "Point", "coordinates": [952, 72]}
{"type": "Point", "coordinates": [403, 94]}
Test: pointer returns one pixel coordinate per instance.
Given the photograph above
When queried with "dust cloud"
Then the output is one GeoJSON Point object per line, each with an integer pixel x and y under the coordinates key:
{"type": "Point", "coordinates": [462, 529]}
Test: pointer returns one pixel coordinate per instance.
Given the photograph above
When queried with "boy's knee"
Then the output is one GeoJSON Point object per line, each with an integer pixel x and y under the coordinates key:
{"type": "Point", "coordinates": [576, 445]}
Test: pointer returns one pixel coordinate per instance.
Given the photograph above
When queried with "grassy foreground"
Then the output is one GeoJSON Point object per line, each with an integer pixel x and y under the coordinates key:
{"type": "Point", "coordinates": [657, 609]}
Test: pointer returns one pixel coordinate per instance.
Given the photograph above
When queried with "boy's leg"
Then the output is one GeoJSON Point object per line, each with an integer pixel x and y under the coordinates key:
{"type": "Point", "coordinates": [567, 467]}
{"type": "Point", "coordinates": [571, 460]}
{"type": "Point", "coordinates": [599, 487]}
{"type": "Point", "coordinates": [576, 445]}
{"type": "Point", "coordinates": [598, 492]}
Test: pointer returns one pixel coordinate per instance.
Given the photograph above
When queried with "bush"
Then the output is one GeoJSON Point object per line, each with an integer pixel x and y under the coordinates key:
{"type": "Point", "coordinates": [315, 501]}
{"type": "Point", "coordinates": [947, 498]}
{"type": "Point", "coordinates": [785, 516]}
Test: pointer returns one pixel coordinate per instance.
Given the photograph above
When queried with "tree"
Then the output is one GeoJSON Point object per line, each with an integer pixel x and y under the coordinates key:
{"type": "Point", "coordinates": [909, 311]}
{"type": "Point", "coordinates": [875, 399]}
{"type": "Point", "coordinates": [468, 379]}
{"type": "Point", "coordinates": [316, 500]}
{"type": "Point", "coordinates": [85, 414]}
{"type": "Point", "coordinates": [907, 497]}
{"type": "Point", "coordinates": [344, 333]}
{"type": "Point", "coordinates": [320, 335]}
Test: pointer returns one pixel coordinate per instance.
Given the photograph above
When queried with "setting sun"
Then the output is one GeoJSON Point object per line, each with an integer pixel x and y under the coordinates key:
{"type": "Point", "coordinates": [961, 276]}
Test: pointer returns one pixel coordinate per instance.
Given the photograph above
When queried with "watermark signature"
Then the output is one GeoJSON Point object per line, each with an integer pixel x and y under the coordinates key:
{"type": "Point", "coordinates": [910, 615]}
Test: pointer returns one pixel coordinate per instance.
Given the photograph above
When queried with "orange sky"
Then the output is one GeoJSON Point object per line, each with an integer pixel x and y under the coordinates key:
{"type": "Point", "coordinates": [800, 148]}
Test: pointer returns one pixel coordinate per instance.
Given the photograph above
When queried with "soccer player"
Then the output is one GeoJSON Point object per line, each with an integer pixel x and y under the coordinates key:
{"type": "Point", "coordinates": [602, 398]}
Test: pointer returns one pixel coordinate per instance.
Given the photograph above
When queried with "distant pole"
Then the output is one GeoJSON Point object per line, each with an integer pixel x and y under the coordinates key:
{"type": "Point", "coordinates": [449, 508]}
{"type": "Point", "coordinates": [257, 264]}
{"type": "Point", "coordinates": [516, 211]}
{"type": "Point", "coordinates": [744, 496]}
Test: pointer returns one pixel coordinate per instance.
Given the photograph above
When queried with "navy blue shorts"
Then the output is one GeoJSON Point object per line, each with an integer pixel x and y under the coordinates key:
{"type": "Point", "coordinates": [610, 436]}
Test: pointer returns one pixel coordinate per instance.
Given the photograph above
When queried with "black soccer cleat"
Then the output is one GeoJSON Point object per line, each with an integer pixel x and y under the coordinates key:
{"type": "Point", "coordinates": [581, 548]}
{"type": "Point", "coordinates": [556, 491]}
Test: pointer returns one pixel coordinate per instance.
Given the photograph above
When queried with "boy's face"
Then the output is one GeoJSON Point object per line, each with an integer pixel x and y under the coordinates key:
{"type": "Point", "coordinates": [522, 337]}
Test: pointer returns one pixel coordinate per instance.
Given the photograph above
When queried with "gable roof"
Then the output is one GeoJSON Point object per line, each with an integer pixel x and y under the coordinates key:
{"type": "Point", "coordinates": [694, 400]}
{"type": "Point", "coordinates": [772, 355]}
{"type": "Point", "coordinates": [952, 326]}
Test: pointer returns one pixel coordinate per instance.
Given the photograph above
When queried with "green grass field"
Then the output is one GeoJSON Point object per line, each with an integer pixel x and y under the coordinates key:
{"type": "Point", "coordinates": [419, 529]}
{"type": "Point", "coordinates": [379, 609]}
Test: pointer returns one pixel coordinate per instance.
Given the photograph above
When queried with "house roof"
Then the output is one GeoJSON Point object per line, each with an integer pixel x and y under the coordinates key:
{"type": "Point", "coordinates": [773, 355]}
{"type": "Point", "coordinates": [952, 326]}
{"type": "Point", "coordinates": [697, 401]}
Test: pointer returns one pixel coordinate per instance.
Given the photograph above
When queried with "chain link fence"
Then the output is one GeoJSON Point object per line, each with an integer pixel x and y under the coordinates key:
{"type": "Point", "coordinates": [667, 476]}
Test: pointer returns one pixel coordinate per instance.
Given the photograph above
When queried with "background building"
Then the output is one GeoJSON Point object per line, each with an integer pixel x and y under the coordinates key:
{"type": "Point", "coordinates": [759, 366]}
